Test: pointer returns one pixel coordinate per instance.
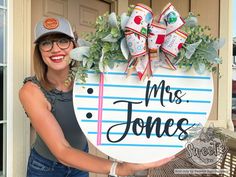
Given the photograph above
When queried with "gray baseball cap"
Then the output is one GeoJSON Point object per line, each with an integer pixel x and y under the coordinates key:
{"type": "Point", "coordinates": [50, 25]}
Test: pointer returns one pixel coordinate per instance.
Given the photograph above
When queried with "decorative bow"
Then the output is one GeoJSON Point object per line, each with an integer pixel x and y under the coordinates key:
{"type": "Point", "coordinates": [153, 44]}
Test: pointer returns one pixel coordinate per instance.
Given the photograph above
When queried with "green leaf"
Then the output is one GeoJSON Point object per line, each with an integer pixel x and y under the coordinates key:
{"type": "Point", "coordinates": [79, 53]}
{"type": "Point", "coordinates": [199, 67]}
{"type": "Point", "coordinates": [109, 38]}
{"type": "Point", "coordinates": [115, 32]}
{"type": "Point", "coordinates": [113, 20]}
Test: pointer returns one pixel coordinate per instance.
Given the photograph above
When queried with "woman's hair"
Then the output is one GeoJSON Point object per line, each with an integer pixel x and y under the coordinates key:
{"type": "Point", "coordinates": [40, 68]}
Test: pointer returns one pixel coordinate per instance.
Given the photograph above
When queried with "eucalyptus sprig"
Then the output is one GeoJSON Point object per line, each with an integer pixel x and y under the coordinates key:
{"type": "Point", "coordinates": [105, 49]}
{"type": "Point", "coordinates": [200, 50]}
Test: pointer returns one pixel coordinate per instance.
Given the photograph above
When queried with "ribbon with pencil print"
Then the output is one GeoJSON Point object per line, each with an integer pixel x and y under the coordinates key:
{"type": "Point", "coordinates": [153, 43]}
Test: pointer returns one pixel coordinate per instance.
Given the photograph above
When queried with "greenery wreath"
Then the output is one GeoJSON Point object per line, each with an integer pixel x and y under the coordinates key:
{"type": "Point", "coordinates": [103, 48]}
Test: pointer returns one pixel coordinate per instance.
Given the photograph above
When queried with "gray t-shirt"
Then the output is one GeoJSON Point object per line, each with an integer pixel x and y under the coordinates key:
{"type": "Point", "coordinates": [62, 109]}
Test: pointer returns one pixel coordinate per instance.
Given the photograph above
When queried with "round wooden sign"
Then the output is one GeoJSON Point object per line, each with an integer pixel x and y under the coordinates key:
{"type": "Point", "coordinates": [142, 121]}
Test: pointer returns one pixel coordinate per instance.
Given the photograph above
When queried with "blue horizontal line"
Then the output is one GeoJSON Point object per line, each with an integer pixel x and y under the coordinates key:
{"type": "Point", "coordinates": [197, 101]}
{"type": "Point", "coordinates": [191, 89]}
{"type": "Point", "coordinates": [143, 145]}
{"type": "Point", "coordinates": [182, 77]}
{"type": "Point", "coordinates": [144, 87]}
{"type": "Point", "coordinates": [157, 75]}
{"type": "Point", "coordinates": [149, 111]}
{"type": "Point", "coordinates": [120, 133]}
{"type": "Point", "coordinates": [129, 98]}
{"type": "Point", "coordinates": [118, 121]}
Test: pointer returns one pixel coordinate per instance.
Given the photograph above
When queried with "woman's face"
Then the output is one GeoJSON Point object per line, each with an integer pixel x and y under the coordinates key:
{"type": "Point", "coordinates": [55, 51]}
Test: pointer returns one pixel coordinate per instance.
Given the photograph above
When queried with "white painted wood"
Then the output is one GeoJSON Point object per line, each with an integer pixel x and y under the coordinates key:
{"type": "Point", "coordinates": [225, 69]}
{"type": "Point", "coordinates": [104, 120]}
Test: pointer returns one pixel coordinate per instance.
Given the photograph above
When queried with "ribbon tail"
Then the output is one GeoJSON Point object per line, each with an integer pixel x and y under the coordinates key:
{"type": "Point", "coordinates": [165, 61]}
{"type": "Point", "coordinates": [131, 66]}
{"type": "Point", "coordinates": [143, 67]}
{"type": "Point", "coordinates": [149, 66]}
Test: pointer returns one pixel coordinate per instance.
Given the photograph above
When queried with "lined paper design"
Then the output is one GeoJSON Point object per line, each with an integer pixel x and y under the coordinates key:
{"type": "Point", "coordinates": [100, 105]}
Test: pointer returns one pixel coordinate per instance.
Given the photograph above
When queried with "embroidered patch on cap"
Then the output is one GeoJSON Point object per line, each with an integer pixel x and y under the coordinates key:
{"type": "Point", "coordinates": [50, 23]}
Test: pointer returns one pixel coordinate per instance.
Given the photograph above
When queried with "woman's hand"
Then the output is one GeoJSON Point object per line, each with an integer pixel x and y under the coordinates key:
{"type": "Point", "coordinates": [124, 169]}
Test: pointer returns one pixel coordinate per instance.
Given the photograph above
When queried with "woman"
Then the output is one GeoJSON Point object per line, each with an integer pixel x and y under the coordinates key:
{"type": "Point", "coordinates": [60, 148]}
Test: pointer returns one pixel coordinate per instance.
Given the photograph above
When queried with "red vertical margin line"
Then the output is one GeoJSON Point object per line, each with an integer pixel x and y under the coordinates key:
{"type": "Point", "coordinates": [100, 107]}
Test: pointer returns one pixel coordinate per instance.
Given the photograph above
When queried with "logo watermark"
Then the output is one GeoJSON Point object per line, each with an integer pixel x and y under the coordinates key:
{"type": "Point", "coordinates": [204, 148]}
{"type": "Point", "coordinates": [207, 148]}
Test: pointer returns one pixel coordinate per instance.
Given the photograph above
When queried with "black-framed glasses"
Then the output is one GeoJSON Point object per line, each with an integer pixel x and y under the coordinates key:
{"type": "Point", "coordinates": [47, 44]}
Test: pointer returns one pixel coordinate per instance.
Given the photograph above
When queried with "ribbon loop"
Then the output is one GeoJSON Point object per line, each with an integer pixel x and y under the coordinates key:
{"type": "Point", "coordinates": [136, 44]}
{"type": "Point", "coordinates": [171, 18]}
{"type": "Point", "coordinates": [139, 20]}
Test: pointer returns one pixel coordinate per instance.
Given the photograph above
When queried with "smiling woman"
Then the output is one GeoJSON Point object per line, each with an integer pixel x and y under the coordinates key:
{"type": "Point", "coordinates": [53, 42]}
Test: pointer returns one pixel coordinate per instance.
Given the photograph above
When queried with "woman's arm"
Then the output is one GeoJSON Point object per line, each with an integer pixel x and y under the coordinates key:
{"type": "Point", "coordinates": [38, 109]}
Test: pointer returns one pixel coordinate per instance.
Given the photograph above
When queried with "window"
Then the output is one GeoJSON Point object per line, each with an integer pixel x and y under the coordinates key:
{"type": "Point", "coordinates": [3, 71]}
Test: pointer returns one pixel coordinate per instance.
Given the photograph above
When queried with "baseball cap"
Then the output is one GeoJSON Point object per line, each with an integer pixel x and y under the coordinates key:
{"type": "Point", "coordinates": [50, 25]}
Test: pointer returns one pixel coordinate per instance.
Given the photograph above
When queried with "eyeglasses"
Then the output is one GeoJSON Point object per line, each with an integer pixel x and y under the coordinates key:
{"type": "Point", "coordinates": [47, 45]}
